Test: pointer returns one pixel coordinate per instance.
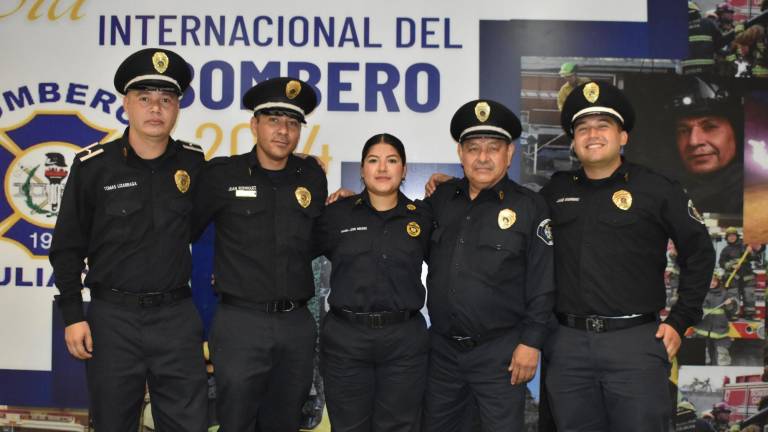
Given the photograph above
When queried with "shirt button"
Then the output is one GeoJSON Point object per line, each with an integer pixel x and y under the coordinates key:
{"type": "Point", "coordinates": [469, 217]}
{"type": "Point", "coordinates": [461, 240]}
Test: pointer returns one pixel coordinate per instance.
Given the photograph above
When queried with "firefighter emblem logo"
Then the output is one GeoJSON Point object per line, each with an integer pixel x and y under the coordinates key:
{"type": "Point", "coordinates": [544, 232]}
{"type": "Point", "coordinates": [36, 182]}
{"type": "Point", "coordinates": [39, 154]}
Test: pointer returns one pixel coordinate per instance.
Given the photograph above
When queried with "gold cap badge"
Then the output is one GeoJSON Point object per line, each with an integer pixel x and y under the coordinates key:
{"type": "Point", "coordinates": [292, 89]}
{"type": "Point", "coordinates": [591, 92]}
{"type": "Point", "coordinates": [182, 180]}
{"type": "Point", "coordinates": [482, 111]}
{"type": "Point", "coordinates": [303, 196]}
{"type": "Point", "coordinates": [413, 229]}
{"type": "Point", "coordinates": [410, 207]}
{"type": "Point", "coordinates": [160, 61]}
{"type": "Point", "coordinates": [507, 218]}
{"type": "Point", "coordinates": [622, 199]}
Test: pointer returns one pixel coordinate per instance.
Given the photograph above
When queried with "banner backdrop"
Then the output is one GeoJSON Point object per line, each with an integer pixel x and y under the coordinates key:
{"type": "Point", "coordinates": [398, 66]}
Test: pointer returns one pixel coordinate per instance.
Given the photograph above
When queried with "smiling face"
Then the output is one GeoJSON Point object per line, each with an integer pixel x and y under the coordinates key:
{"type": "Point", "coordinates": [277, 137]}
{"type": "Point", "coordinates": [485, 160]}
{"type": "Point", "coordinates": [706, 144]}
{"type": "Point", "coordinates": [382, 170]}
{"type": "Point", "coordinates": [151, 113]}
{"type": "Point", "coordinates": [597, 141]}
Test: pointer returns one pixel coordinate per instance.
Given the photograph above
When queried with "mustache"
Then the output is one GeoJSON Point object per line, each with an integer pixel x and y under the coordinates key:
{"type": "Point", "coordinates": [484, 164]}
{"type": "Point", "coordinates": [700, 149]}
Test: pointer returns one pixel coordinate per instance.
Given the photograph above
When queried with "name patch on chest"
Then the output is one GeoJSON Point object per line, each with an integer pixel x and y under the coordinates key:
{"type": "Point", "coordinates": [243, 191]}
{"type": "Point", "coordinates": [123, 185]}
{"type": "Point", "coordinates": [568, 199]}
{"type": "Point", "coordinates": [353, 229]}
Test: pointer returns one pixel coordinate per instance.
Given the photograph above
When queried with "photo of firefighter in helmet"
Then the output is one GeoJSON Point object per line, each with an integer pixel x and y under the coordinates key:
{"type": "Point", "coordinates": [736, 260]}
{"type": "Point", "coordinates": [708, 135]}
{"type": "Point", "coordinates": [720, 305]}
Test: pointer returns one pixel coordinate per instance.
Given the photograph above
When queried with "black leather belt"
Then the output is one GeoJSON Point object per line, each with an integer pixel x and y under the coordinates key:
{"type": "Point", "coordinates": [143, 300]}
{"type": "Point", "coordinates": [466, 343]}
{"type": "Point", "coordinates": [268, 307]}
{"type": "Point", "coordinates": [375, 319]}
{"type": "Point", "coordinates": [599, 324]}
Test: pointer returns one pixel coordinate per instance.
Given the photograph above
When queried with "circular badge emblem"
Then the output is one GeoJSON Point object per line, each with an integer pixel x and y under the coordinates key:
{"type": "Point", "coordinates": [413, 229]}
{"type": "Point", "coordinates": [35, 180]}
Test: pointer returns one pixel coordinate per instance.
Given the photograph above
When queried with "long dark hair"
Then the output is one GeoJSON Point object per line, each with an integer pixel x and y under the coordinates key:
{"type": "Point", "coordinates": [386, 139]}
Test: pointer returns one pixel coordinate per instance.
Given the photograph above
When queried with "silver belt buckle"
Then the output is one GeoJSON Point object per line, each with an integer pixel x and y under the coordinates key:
{"type": "Point", "coordinates": [595, 324]}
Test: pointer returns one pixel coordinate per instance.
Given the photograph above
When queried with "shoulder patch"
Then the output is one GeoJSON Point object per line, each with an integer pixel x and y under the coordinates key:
{"type": "Point", "coordinates": [693, 213]}
{"type": "Point", "coordinates": [544, 232]}
{"type": "Point", "coordinates": [191, 146]}
{"type": "Point", "coordinates": [90, 151]}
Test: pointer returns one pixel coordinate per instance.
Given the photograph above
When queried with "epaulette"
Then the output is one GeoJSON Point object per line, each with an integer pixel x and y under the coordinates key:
{"type": "Point", "coordinates": [92, 150]}
{"type": "Point", "coordinates": [191, 146]}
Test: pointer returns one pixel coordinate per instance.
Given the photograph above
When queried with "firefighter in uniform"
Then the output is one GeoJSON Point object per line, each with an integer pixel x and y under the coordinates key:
{"type": "Point", "coordinates": [707, 126]}
{"type": "Point", "coordinates": [703, 40]}
{"type": "Point", "coordinates": [719, 306]}
{"type": "Point", "coordinates": [569, 72]}
{"type": "Point", "coordinates": [609, 361]}
{"type": "Point", "coordinates": [126, 209]}
{"type": "Point", "coordinates": [264, 204]}
{"type": "Point", "coordinates": [722, 417]}
{"type": "Point", "coordinates": [735, 259]}
{"type": "Point", "coordinates": [374, 342]}
{"type": "Point", "coordinates": [490, 282]}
